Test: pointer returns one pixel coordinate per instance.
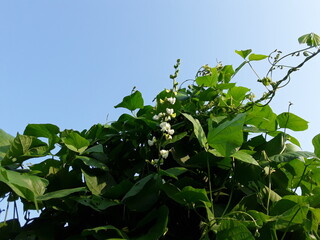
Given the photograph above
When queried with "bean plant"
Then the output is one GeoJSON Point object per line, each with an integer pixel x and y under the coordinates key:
{"type": "Point", "coordinates": [209, 160]}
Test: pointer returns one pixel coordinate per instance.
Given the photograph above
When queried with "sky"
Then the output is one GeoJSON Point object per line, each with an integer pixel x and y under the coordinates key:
{"type": "Point", "coordinates": [70, 62]}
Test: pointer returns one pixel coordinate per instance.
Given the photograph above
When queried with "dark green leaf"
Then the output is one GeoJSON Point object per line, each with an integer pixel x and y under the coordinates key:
{"type": "Point", "coordinates": [132, 102]}
{"type": "Point", "coordinates": [60, 193]}
{"type": "Point", "coordinates": [96, 202]}
{"type": "Point", "coordinates": [173, 172]}
{"type": "Point", "coordinates": [159, 228]}
{"type": "Point", "coordinates": [233, 230]}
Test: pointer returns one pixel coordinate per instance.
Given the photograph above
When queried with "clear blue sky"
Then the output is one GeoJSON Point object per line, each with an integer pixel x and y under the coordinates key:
{"type": "Point", "coordinates": [69, 62]}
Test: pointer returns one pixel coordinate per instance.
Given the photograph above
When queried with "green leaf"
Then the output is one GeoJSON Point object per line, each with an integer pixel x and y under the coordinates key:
{"type": "Point", "coordinates": [159, 227]}
{"type": "Point", "coordinates": [96, 184]}
{"type": "Point", "coordinates": [291, 121]}
{"type": "Point", "coordinates": [262, 117]}
{"type": "Point", "coordinates": [244, 157]}
{"type": "Point", "coordinates": [238, 94]}
{"type": "Point", "coordinates": [316, 145]}
{"type": "Point", "coordinates": [257, 57]}
{"type": "Point", "coordinates": [132, 102]}
{"type": "Point", "coordinates": [227, 136]}
{"type": "Point", "coordinates": [96, 202]}
{"type": "Point", "coordinates": [173, 172]}
{"type": "Point", "coordinates": [243, 53]}
{"type": "Point", "coordinates": [144, 194]}
{"type": "Point", "coordinates": [25, 185]}
{"type": "Point", "coordinates": [192, 197]}
{"type": "Point", "coordinates": [75, 142]}
{"type": "Point", "coordinates": [24, 147]}
{"type": "Point", "coordinates": [60, 193]}
{"type": "Point", "coordinates": [210, 80]}
{"type": "Point", "coordinates": [198, 131]}
{"type": "Point", "coordinates": [92, 162]}
{"type": "Point", "coordinates": [49, 131]}
{"type": "Point", "coordinates": [233, 230]}
{"type": "Point", "coordinates": [115, 232]}
{"type": "Point", "coordinates": [5, 141]}
{"type": "Point", "coordinates": [288, 156]}
{"type": "Point", "coordinates": [311, 39]}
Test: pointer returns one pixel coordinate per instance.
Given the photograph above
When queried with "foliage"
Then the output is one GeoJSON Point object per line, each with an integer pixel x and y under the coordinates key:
{"type": "Point", "coordinates": [208, 161]}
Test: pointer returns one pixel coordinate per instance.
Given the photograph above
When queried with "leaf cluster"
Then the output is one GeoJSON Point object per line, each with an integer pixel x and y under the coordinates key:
{"type": "Point", "coordinates": [208, 161]}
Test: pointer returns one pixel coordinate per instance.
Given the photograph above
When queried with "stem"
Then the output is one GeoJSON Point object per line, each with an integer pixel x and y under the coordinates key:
{"type": "Point", "coordinates": [303, 173]}
{"type": "Point", "coordinates": [210, 187]}
{"type": "Point", "coordinates": [290, 223]}
{"type": "Point", "coordinates": [232, 189]}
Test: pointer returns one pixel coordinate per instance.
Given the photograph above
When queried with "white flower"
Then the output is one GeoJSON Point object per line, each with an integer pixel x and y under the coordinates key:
{"type": "Point", "coordinates": [155, 117]}
{"type": "Point", "coordinates": [171, 100]}
{"type": "Point", "coordinates": [165, 126]}
{"type": "Point", "coordinates": [164, 153]}
{"type": "Point", "coordinates": [171, 131]}
{"type": "Point", "coordinates": [169, 111]}
{"type": "Point", "coordinates": [151, 142]}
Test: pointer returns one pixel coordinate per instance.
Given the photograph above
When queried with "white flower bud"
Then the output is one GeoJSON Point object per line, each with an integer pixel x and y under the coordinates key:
{"type": "Point", "coordinates": [171, 100]}
{"type": "Point", "coordinates": [164, 153]}
{"type": "Point", "coordinates": [169, 111]}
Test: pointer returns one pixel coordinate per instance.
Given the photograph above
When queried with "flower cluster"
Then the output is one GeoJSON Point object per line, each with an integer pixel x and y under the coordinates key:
{"type": "Point", "coordinates": [165, 126]}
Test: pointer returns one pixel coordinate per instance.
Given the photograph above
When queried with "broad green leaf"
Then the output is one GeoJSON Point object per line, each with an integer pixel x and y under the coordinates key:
{"type": "Point", "coordinates": [311, 39]}
{"type": "Point", "coordinates": [227, 136]}
{"type": "Point", "coordinates": [49, 131]}
{"type": "Point", "coordinates": [233, 230]}
{"type": "Point", "coordinates": [209, 80]}
{"type": "Point", "coordinates": [116, 233]}
{"type": "Point", "coordinates": [288, 156]}
{"type": "Point", "coordinates": [262, 118]}
{"type": "Point", "coordinates": [256, 57]}
{"type": "Point", "coordinates": [96, 184]}
{"type": "Point", "coordinates": [24, 147]}
{"type": "Point", "coordinates": [75, 142]}
{"type": "Point", "coordinates": [243, 53]}
{"type": "Point", "coordinates": [316, 145]}
{"type": "Point", "coordinates": [291, 121]}
{"type": "Point", "coordinates": [132, 102]}
{"type": "Point", "coordinates": [60, 193]}
{"type": "Point", "coordinates": [92, 162]}
{"type": "Point", "coordinates": [244, 157]}
{"type": "Point", "coordinates": [23, 184]}
{"type": "Point", "coordinates": [198, 131]}
{"type": "Point", "coordinates": [96, 202]}
{"type": "Point", "coordinates": [159, 218]}
{"type": "Point", "coordinates": [192, 196]}
{"type": "Point", "coordinates": [238, 94]}
{"type": "Point", "coordinates": [144, 194]}
{"type": "Point", "coordinates": [5, 141]}
{"type": "Point", "coordinates": [173, 172]}
{"type": "Point", "coordinates": [138, 186]}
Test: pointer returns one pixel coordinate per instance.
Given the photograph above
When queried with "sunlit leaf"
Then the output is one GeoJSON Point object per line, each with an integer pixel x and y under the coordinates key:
{"type": "Point", "coordinates": [227, 136]}
{"type": "Point", "coordinates": [75, 142]}
{"type": "Point", "coordinates": [132, 102]}
{"type": "Point", "coordinates": [243, 53]}
{"type": "Point", "coordinates": [291, 121]}
{"type": "Point", "coordinates": [197, 129]}
{"type": "Point", "coordinates": [311, 39]}
{"type": "Point", "coordinates": [256, 57]}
